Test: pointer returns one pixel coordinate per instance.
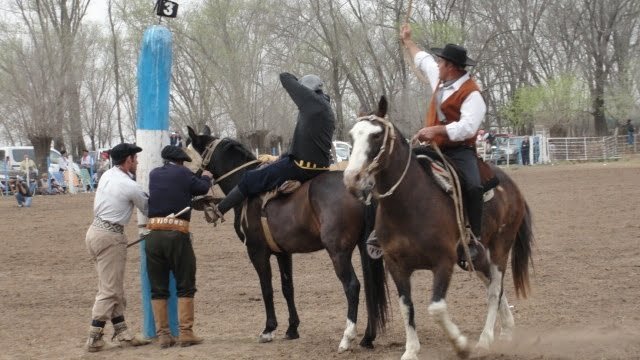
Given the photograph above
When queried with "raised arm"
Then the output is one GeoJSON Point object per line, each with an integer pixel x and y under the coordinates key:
{"type": "Point", "coordinates": [300, 94]}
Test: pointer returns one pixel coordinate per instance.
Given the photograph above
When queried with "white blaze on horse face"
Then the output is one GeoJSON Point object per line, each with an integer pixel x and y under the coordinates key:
{"type": "Point", "coordinates": [196, 159]}
{"type": "Point", "coordinates": [360, 134]}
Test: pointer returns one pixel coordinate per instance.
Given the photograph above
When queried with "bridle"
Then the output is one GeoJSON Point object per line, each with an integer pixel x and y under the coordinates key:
{"type": "Point", "coordinates": [374, 166]}
{"type": "Point", "coordinates": [207, 155]}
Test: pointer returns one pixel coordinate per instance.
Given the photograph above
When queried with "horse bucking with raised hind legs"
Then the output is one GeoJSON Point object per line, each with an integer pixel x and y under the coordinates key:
{"type": "Point", "coordinates": [417, 229]}
{"type": "Point", "coordinates": [321, 214]}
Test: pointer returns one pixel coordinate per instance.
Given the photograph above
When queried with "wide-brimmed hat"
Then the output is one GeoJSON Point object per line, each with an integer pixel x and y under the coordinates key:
{"type": "Point", "coordinates": [174, 153]}
{"type": "Point", "coordinates": [121, 151]}
{"type": "Point", "coordinates": [454, 53]}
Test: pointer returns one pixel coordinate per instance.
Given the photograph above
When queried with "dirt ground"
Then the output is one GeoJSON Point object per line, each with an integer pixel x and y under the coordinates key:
{"type": "Point", "coordinates": [584, 302]}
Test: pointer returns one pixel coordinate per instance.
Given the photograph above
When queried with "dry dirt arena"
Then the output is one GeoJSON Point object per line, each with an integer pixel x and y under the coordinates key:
{"type": "Point", "coordinates": [584, 302]}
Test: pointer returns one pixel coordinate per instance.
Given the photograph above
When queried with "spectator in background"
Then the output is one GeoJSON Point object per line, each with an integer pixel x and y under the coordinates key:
{"type": "Point", "coordinates": [85, 161]}
{"type": "Point", "coordinates": [24, 192]}
{"type": "Point", "coordinates": [103, 165]}
{"type": "Point", "coordinates": [173, 139]}
{"type": "Point", "coordinates": [64, 161]}
{"type": "Point", "coordinates": [7, 162]}
{"type": "Point", "coordinates": [536, 150]}
{"type": "Point", "coordinates": [179, 140]}
{"type": "Point", "coordinates": [524, 151]}
{"type": "Point", "coordinates": [630, 132]}
{"type": "Point", "coordinates": [27, 165]}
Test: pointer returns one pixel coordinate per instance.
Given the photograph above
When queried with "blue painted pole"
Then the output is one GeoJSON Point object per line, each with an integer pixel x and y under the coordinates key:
{"type": "Point", "coordinates": [154, 81]}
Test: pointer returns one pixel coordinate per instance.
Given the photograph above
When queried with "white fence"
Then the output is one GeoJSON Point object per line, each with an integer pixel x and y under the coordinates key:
{"type": "Point", "coordinates": [583, 148]}
{"type": "Point", "coordinates": [544, 150]}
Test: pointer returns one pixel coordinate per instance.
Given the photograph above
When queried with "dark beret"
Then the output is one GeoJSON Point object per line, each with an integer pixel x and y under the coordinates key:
{"type": "Point", "coordinates": [121, 151]}
{"type": "Point", "coordinates": [174, 153]}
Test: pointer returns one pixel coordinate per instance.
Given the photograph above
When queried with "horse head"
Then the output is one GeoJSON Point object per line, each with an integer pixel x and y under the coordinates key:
{"type": "Point", "coordinates": [374, 139]}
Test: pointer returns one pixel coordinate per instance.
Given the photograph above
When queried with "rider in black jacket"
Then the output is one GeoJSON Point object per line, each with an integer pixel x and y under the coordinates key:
{"type": "Point", "coordinates": [310, 152]}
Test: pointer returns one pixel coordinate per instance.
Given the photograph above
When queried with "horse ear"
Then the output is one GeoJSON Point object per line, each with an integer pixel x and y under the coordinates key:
{"type": "Point", "coordinates": [192, 134]}
{"type": "Point", "coordinates": [382, 107]}
{"type": "Point", "coordinates": [363, 111]}
{"type": "Point", "coordinates": [206, 130]}
{"type": "Point", "coordinates": [188, 142]}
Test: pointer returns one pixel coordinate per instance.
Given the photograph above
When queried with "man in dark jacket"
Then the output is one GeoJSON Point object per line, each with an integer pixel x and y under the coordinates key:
{"type": "Point", "coordinates": [168, 245]}
{"type": "Point", "coordinates": [310, 152]}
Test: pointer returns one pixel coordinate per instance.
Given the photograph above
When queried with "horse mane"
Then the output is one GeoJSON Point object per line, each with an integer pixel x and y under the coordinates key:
{"type": "Point", "coordinates": [229, 144]}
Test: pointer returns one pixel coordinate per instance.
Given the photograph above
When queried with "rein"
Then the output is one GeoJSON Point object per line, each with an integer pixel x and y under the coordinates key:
{"type": "Point", "coordinates": [373, 168]}
{"type": "Point", "coordinates": [208, 154]}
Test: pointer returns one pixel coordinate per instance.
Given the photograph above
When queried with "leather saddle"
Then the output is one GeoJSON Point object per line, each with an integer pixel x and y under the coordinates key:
{"type": "Point", "coordinates": [432, 164]}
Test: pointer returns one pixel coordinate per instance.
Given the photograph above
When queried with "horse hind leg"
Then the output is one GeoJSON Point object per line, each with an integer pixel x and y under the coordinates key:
{"type": "Point", "coordinates": [493, 283]}
{"type": "Point", "coordinates": [506, 319]}
{"type": "Point", "coordinates": [351, 285]}
{"type": "Point", "coordinates": [260, 260]}
{"type": "Point", "coordinates": [286, 278]}
{"type": "Point", "coordinates": [438, 309]}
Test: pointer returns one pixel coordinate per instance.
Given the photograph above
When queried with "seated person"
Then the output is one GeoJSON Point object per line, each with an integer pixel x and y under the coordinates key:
{"type": "Point", "coordinates": [24, 194]}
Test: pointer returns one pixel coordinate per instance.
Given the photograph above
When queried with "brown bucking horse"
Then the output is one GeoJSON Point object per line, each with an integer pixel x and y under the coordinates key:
{"type": "Point", "coordinates": [321, 214]}
{"type": "Point", "coordinates": [417, 229]}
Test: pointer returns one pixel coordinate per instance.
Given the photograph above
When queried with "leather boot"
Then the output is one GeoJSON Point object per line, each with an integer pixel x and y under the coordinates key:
{"type": "Point", "coordinates": [162, 323]}
{"type": "Point", "coordinates": [125, 338]}
{"type": "Point", "coordinates": [185, 313]}
{"type": "Point", "coordinates": [95, 342]}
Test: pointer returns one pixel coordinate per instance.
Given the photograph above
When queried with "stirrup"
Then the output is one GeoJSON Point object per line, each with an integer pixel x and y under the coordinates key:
{"type": "Point", "coordinates": [373, 247]}
{"type": "Point", "coordinates": [212, 214]}
{"type": "Point", "coordinates": [475, 249]}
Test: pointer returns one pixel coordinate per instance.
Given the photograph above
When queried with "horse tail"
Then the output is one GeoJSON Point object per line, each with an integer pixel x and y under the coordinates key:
{"type": "Point", "coordinates": [375, 276]}
{"type": "Point", "coordinates": [521, 255]}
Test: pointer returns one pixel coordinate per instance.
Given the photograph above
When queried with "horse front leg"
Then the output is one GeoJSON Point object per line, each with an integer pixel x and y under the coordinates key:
{"type": "Point", "coordinates": [286, 278]}
{"type": "Point", "coordinates": [438, 309]}
{"type": "Point", "coordinates": [260, 260]}
{"type": "Point", "coordinates": [351, 285]}
{"type": "Point", "coordinates": [403, 284]}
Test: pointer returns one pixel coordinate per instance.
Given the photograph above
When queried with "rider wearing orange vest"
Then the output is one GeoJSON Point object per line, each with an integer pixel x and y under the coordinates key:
{"type": "Point", "coordinates": [455, 113]}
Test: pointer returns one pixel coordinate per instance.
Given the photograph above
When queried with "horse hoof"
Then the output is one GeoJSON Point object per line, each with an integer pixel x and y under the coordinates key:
{"type": "Point", "coordinates": [506, 336]}
{"type": "Point", "coordinates": [366, 343]}
{"type": "Point", "coordinates": [291, 335]}
{"type": "Point", "coordinates": [462, 347]}
{"type": "Point", "coordinates": [406, 356]}
{"type": "Point", "coordinates": [265, 337]}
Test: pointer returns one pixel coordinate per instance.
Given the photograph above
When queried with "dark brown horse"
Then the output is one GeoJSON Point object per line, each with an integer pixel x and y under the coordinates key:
{"type": "Point", "coordinates": [417, 229]}
{"type": "Point", "coordinates": [321, 214]}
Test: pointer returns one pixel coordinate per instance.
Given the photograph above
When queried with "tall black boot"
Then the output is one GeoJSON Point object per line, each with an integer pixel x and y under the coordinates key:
{"type": "Point", "coordinates": [474, 207]}
{"type": "Point", "coordinates": [233, 198]}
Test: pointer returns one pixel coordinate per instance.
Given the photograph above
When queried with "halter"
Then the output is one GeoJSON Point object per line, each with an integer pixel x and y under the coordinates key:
{"type": "Point", "coordinates": [374, 166]}
{"type": "Point", "coordinates": [207, 155]}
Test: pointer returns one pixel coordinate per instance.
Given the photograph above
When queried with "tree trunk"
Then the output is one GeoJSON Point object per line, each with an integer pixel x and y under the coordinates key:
{"type": "Point", "coordinates": [41, 145]}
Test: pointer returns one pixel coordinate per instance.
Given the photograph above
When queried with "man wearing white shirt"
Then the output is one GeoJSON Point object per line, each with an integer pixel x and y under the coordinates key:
{"type": "Point", "coordinates": [115, 199]}
{"type": "Point", "coordinates": [63, 163]}
{"type": "Point", "coordinates": [85, 161]}
{"type": "Point", "coordinates": [455, 113]}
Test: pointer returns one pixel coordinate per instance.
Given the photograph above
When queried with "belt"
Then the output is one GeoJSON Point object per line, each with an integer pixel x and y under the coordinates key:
{"type": "Point", "coordinates": [163, 223]}
{"type": "Point", "coordinates": [308, 165]}
{"type": "Point", "coordinates": [102, 224]}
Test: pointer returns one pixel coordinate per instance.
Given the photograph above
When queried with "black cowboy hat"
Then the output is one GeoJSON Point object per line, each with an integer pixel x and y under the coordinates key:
{"type": "Point", "coordinates": [454, 53]}
{"type": "Point", "coordinates": [174, 153]}
{"type": "Point", "coordinates": [121, 151]}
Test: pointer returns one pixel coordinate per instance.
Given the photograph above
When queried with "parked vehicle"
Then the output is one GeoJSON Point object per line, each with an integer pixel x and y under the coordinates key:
{"type": "Point", "coordinates": [16, 155]}
{"type": "Point", "coordinates": [505, 149]}
{"type": "Point", "coordinates": [343, 151]}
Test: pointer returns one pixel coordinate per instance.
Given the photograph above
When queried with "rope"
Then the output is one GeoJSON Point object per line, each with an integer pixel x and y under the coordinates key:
{"type": "Point", "coordinates": [457, 195]}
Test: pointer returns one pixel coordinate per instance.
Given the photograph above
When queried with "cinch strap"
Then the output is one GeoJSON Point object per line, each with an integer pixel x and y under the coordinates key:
{"type": "Point", "coordinates": [163, 223]}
